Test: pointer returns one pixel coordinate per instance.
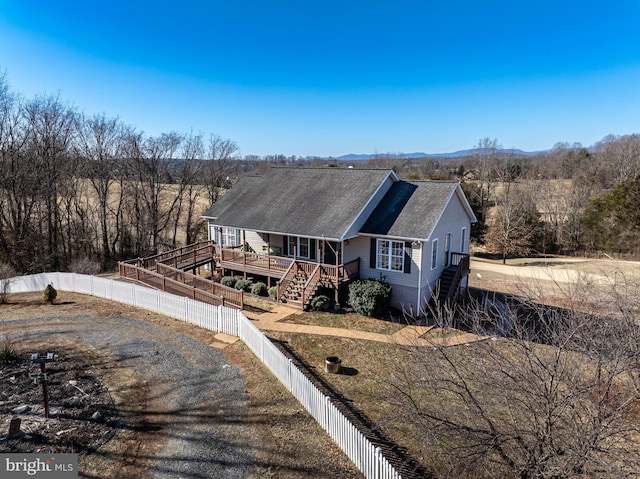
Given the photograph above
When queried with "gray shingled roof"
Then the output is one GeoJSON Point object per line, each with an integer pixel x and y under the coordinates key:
{"type": "Point", "coordinates": [315, 202]}
{"type": "Point", "coordinates": [410, 209]}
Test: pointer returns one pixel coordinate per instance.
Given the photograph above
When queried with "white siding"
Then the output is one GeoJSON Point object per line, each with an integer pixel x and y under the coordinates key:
{"type": "Point", "coordinates": [361, 247]}
{"type": "Point", "coordinates": [259, 245]}
{"type": "Point", "coordinates": [358, 247]}
{"type": "Point", "coordinates": [366, 212]}
{"type": "Point", "coordinates": [453, 219]}
{"type": "Point", "coordinates": [254, 240]}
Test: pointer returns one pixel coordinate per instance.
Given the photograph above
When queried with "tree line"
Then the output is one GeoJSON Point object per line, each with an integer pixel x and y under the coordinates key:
{"type": "Point", "coordinates": [78, 189]}
{"type": "Point", "coordinates": [572, 200]}
{"type": "Point", "coordinates": [569, 200]}
{"type": "Point", "coordinates": [84, 190]}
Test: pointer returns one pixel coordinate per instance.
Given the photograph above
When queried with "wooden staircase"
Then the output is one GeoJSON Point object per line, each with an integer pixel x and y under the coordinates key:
{"type": "Point", "coordinates": [293, 292]}
{"type": "Point", "coordinates": [299, 286]}
{"type": "Point", "coordinates": [447, 283]}
{"type": "Point", "coordinates": [448, 289]}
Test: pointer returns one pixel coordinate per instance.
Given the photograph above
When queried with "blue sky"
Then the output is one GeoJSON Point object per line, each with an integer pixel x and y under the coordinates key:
{"type": "Point", "coordinates": [337, 77]}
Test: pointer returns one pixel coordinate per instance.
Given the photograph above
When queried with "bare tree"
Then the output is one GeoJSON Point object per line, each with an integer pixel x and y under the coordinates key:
{"type": "Point", "coordinates": [51, 127]}
{"type": "Point", "coordinates": [516, 225]}
{"type": "Point", "coordinates": [620, 157]}
{"type": "Point", "coordinates": [220, 152]}
{"type": "Point", "coordinates": [150, 163]}
{"type": "Point", "coordinates": [554, 394]}
{"type": "Point", "coordinates": [17, 191]}
{"type": "Point", "coordinates": [186, 176]}
{"type": "Point", "coordinates": [483, 164]}
{"type": "Point", "coordinates": [6, 274]}
{"type": "Point", "coordinates": [102, 144]}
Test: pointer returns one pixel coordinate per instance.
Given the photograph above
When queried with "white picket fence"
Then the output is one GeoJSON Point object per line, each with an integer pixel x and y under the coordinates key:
{"type": "Point", "coordinates": [367, 457]}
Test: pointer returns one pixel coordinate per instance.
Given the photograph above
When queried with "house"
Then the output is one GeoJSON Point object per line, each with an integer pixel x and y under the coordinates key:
{"type": "Point", "coordinates": [312, 228]}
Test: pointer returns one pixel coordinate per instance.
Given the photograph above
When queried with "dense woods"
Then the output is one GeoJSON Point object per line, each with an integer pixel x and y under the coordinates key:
{"type": "Point", "coordinates": [80, 191]}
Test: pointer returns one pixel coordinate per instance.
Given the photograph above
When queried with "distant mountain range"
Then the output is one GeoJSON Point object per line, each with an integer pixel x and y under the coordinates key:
{"type": "Point", "coordinates": [455, 154]}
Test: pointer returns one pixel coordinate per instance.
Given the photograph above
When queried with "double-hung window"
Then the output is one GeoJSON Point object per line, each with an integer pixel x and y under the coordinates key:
{"type": "Point", "coordinates": [390, 255]}
{"type": "Point", "coordinates": [230, 237]}
{"type": "Point", "coordinates": [301, 245]}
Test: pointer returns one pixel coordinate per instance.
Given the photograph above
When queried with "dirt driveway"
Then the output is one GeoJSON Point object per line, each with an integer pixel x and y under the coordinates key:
{"type": "Point", "coordinates": [193, 406]}
{"type": "Point", "coordinates": [577, 283]}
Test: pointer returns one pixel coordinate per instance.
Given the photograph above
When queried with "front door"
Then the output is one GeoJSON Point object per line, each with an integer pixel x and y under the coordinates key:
{"type": "Point", "coordinates": [329, 256]}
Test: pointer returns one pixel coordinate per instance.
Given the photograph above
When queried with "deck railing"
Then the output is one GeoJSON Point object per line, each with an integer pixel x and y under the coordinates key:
{"type": "Point", "coordinates": [462, 261]}
{"type": "Point", "coordinates": [282, 267]}
{"type": "Point", "coordinates": [256, 260]}
{"type": "Point", "coordinates": [170, 284]}
{"type": "Point", "coordinates": [196, 255]}
{"type": "Point", "coordinates": [231, 296]}
{"type": "Point", "coordinates": [150, 261]}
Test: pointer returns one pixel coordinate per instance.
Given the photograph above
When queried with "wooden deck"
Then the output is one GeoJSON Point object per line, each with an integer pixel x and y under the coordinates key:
{"type": "Point", "coordinates": [254, 263]}
{"type": "Point", "coordinates": [169, 271]}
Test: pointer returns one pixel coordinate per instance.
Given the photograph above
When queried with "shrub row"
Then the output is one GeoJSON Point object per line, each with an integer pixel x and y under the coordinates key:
{"type": "Point", "coordinates": [259, 288]}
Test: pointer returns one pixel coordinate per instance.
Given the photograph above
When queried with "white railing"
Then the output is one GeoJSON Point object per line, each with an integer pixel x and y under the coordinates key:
{"type": "Point", "coordinates": [367, 457]}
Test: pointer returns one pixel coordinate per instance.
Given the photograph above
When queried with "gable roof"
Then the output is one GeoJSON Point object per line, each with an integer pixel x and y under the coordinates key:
{"type": "Point", "coordinates": [411, 210]}
{"type": "Point", "coordinates": [314, 202]}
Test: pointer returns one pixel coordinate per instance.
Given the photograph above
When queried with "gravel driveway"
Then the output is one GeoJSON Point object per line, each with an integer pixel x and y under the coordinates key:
{"type": "Point", "coordinates": [194, 396]}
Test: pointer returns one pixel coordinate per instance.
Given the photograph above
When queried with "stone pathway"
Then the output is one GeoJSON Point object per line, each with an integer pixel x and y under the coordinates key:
{"type": "Point", "coordinates": [409, 335]}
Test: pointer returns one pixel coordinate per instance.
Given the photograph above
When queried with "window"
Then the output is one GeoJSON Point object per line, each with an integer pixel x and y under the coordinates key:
{"type": "Point", "coordinates": [434, 253]}
{"type": "Point", "coordinates": [230, 237]}
{"type": "Point", "coordinates": [447, 248]}
{"type": "Point", "coordinates": [303, 247]}
{"type": "Point", "coordinates": [390, 255]}
{"type": "Point", "coordinates": [463, 239]}
{"type": "Point", "coordinates": [300, 245]}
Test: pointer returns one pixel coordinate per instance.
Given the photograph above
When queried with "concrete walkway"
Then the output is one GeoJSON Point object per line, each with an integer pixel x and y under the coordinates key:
{"type": "Point", "coordinates": [409, 335]}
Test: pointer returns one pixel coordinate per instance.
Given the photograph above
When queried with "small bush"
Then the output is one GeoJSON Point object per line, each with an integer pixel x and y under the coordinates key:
{"type": "Point", "coordinates": [85, 265]}
{"type": "Point", "coordinates": [369, 297]}
{"type": "Point", "coordinates": [7, 273]}
{"type": "Point", "coordinates": [259, 289]}
{"type": "Point", "coordinates": [243, 284]}
{"type": "Point", "coordinates": [229, 281]}
{"type": "Point", "coordinates": [50, 294]}
{"type": "Point", "coordinates": [273, 292]}
{"type": "Point", "coordinates": [321, 303]}
{"type": "Point", "coordinates": [7, 352]}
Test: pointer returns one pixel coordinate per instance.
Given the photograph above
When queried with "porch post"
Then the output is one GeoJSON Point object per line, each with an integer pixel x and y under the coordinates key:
{"type": "Point", "coordinates": [269, 257]}
{"type": "Point", "coordinates": [244, 254]}
{"type": "Point", "coordinates": [339, 246]}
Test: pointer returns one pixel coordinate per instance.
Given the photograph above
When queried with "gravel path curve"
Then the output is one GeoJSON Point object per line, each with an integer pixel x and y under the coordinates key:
{"type": "Point", "coordinates": [195, 395]}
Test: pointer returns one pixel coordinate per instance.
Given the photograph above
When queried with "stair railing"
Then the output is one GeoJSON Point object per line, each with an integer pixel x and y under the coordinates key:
{"type": "Point", "coordinates": [314, 277]}
{"type": "Point", "coordinates": [462, 268]}
{"type": "Point", "coordinates": [286, 279]}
